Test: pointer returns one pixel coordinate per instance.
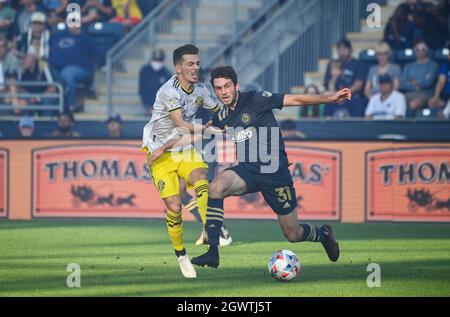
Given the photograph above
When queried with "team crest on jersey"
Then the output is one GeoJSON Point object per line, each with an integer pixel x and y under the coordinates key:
{"type": "Point", "coordinates": [245, 118]}
{"type": "Point", "coordinates": [267, 94]}
{"type": "Point", "coordinates": [199, 101]}
{"type": "Point", "coordinates": [161, 185]}
{"type": "Point", "coordinates": [173, 101]}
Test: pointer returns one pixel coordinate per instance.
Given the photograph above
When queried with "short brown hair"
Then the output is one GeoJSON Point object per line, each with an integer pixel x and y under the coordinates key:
{"type": "Point", "coordinates": [227, 72]}
{"type": "Point", "coordinates": [187, 49]}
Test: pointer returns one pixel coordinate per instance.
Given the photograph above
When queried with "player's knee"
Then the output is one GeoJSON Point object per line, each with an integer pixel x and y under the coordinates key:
{"type": "Point", "coordinates": [174, 205]}
{"type": "Point", "coordinates": [216, 190]}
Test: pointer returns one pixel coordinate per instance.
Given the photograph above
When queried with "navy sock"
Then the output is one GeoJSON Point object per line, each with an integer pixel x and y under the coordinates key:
{"type": "Point", "coordinates": [214, 220]}
{"type": "Point", "coordinates": [312, 233]}
{"type": "Point", "coordinates": [180, 253]}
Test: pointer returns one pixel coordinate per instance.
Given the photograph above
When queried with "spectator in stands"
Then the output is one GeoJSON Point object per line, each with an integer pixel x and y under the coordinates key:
{"type": "Point", "coordinates": [23, 17]}
{"type": "Point", "coordinates": [115, 127]}
{"type": "Point", "coordinates": [6, 19]}
{"type": "Point", "coordinates": [389, 103]}
{"type": "Point", "coordinates": [26, 127]}
{"type": "Point", "coordinates": [72, 59]}
{"type": "Point", "coordinates": [429, 24]}
{"type": "Point", "coordinates": [127, 13]}
{"type": "Point", "coordinates": [336, 82]}
{"type": "Point", "coordinates": [418, 79]}
{"type": "Point", "coordinates": [400, 29]}
{"type": "Point", "coordinates": [31, 72]}
{"type": "Point", "coordinates": [442, 91]}
{"type": "Point", "coordinates": [9, 68]}
{"type": "Point", "coordinates": [383, 53]}
{"type": "Point", "coordinates": [96, 11]}
{"type": "Point", "coordinates": [353, 76]}
{"type": "Point", "coordinates": [11, 88]}
{"type": "Point", "coordinates": [151, 77]}
{"type": "Point", "coordinates": [64, 128]}
{"type": "Point", "coordinates": [316, 111]}
{"type": "Point", "coordinates": [445, 114]}
{"type": "Point", "coordinates": [36, 41]}
{"type": "Point", "coordinates": [55, 10]}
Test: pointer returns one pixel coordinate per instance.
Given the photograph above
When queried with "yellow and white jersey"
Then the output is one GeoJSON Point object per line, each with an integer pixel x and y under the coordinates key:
{"type": "Point", "coordinates": [170, 97]}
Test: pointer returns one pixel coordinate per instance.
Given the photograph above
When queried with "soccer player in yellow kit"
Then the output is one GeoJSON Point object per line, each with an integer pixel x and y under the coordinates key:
{"type": "Point", "coordinates": [174, 109]}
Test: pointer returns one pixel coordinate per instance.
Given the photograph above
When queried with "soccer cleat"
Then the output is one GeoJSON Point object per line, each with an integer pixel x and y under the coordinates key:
{"type": "Point", "coordinates": [330, 244]}
{"type": "Point", "coordinates": [225, 237]}
{"type": "Point", "coordinates": [206, 260]}
{"type": "Point", "coordinates": [187, 269]}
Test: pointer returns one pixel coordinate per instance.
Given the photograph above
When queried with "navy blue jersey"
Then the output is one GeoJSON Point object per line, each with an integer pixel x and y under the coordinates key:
{"type": "Point", "coordinates": [252, 120]}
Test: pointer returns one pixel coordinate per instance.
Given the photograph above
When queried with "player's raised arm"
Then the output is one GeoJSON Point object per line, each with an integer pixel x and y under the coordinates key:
{"type": "Point", "coordinates": [306, 100]}
{"type": "Point", "coordinates": [177, 118]}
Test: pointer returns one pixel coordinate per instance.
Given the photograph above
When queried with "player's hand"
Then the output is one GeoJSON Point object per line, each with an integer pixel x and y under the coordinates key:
{"type": "Point", "coordinates": [212, 130]}
{"type": "Point", "coordinates": [342, 95]}
{"type": "Point", "coordinates": [156, 154]}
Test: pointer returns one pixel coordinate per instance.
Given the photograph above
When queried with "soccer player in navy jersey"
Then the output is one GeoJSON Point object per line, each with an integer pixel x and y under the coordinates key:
{"type": "Point", "coordinates": [249, 117]}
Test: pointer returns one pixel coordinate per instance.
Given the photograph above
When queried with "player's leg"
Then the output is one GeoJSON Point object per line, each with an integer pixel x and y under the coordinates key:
{"type": "Point", "coordinates": [165, 179]}
{"type": "Point", "coordinates": [194, 171]}
{"type": "Point", "coordinates": [228, 183]}
{"type": "Point", "coordinates": [198, 178]}
{"type": "Point", "coordinates": [189, 202]}
{"type": "Point", "coordinates": [296, 232]}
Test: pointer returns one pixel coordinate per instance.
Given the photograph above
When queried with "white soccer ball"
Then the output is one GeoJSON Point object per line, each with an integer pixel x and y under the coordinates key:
{"type": "Point", "coordinates": [284, 265]}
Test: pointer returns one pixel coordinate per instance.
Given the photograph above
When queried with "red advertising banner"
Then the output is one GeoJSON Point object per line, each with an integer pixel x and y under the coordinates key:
{"type": "Point", "coordinates": [113, 181]}
{"type": "Point", "coordinates": [408, 184]}
{"type": "Point", "coordinates": [3, 183]}
{"type": "Point", "coordinates": [317, 181]}
{"type": "Point", "coordinates": [93, 181]}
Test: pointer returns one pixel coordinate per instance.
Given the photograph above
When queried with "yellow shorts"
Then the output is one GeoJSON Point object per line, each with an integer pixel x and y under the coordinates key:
{"type": "Point", "coordinates": [171, 165]}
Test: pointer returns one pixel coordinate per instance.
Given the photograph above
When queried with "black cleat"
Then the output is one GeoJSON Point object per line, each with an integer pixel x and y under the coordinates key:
{"type": "Point", "coordinates": [330, 244]}
{"type": "Point", "coordinates": [206, 259]}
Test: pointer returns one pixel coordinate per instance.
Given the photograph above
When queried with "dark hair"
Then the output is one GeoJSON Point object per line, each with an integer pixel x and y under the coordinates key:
{"type": "Point", "coordinates": [344, 42]}
{"type": "Point", "coordinates": [227, 72]}
{"type": "Point", "coordinates": [313, 87]}
{"type": "Point", "coordinates": [187, 49]}
{"type": "Point", "coordinates": [68, 114]}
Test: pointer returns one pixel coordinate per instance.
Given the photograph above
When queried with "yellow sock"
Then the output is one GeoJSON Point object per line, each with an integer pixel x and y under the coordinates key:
{"type": "Point", "coordinates": [201, 190]}
{"type": "Point", "coordinates": [174, 224]}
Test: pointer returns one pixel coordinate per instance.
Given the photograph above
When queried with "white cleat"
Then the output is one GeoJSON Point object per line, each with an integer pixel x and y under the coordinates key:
{"type": "Point", "coordinates": [224, 239]}
{"type": "Point", "coordinates": [187, 269]}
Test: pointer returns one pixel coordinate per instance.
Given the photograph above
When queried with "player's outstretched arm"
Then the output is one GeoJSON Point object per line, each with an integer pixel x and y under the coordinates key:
{"type": "Point", "coordinates": [184, 140]}
{"type": "Point", "coordinates": [306, 100]}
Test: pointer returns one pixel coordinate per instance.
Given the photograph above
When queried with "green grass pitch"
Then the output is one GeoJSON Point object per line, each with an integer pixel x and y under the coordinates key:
{"type": "Point", "coordinates": [134, 258]}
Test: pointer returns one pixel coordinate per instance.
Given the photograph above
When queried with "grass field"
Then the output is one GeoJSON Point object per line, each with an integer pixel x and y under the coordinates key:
{"type": "Point", "coordinates": [134, 258]}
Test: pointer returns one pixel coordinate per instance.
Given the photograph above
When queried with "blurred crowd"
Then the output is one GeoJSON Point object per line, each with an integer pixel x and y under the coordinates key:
{"type": "Point", "coordinates": [37, 47]}
{"type": "Point", "coordinates": [408, 75]}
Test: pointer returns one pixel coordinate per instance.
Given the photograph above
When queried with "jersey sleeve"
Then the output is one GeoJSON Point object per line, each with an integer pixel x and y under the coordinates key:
{"type": "Point", "coordinates": [171, 99]}
{"type": "Point", "coordinates": [267, 101]}
{"type": "Point", "coordinates": [209, 101]}
{"type": "Point", "coordinates": [216, 122]}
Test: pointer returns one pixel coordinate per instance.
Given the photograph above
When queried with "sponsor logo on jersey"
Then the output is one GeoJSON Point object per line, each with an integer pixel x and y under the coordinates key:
{"type": "Point", "coordinates": [267, 94]}
{"type": "Point", "coordinates": [242, 135]}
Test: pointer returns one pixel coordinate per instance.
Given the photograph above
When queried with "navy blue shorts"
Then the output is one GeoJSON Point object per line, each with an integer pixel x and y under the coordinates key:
{"type": "Point", "coordinates": [277, 188]}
